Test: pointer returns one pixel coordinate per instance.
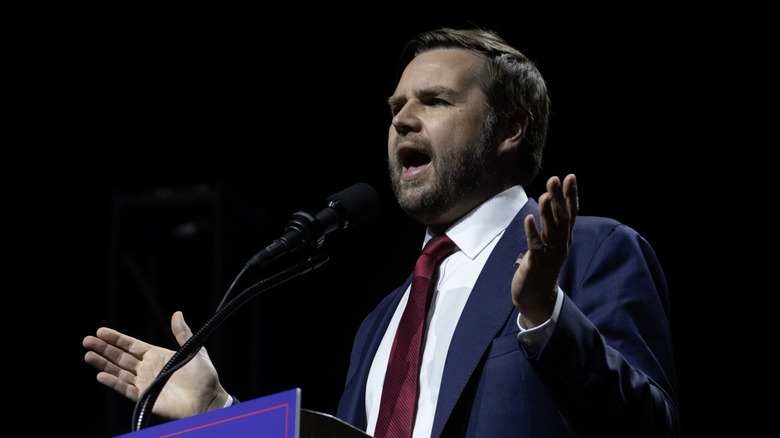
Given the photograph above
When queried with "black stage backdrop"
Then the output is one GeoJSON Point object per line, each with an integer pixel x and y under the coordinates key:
{"type": "Point", "coordinates": [157, 150]}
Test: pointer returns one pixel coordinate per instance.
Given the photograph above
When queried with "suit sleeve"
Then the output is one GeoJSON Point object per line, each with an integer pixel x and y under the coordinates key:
{"type": "Point", "coordinates": [609, 364]}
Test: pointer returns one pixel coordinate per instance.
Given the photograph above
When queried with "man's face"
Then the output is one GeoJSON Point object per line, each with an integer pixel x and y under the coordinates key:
{"type": "Point", "coordinates": [437, 152]}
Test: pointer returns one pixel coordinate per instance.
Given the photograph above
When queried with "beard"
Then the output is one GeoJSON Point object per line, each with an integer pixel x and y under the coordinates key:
{"type": "Point", "coordinates": [458, 174]}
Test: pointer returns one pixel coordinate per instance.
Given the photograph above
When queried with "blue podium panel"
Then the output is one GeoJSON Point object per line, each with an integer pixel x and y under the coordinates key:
{"type": "Point", "coordinates": [272, 416]}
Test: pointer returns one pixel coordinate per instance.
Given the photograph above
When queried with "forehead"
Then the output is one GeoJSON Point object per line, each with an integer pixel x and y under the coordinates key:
{"type": "Point", "coordinates": [442, 67]}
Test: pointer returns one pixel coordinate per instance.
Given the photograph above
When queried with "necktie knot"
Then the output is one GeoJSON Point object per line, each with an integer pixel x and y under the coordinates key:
{"type": "Point", "coordinates": [439, 247]}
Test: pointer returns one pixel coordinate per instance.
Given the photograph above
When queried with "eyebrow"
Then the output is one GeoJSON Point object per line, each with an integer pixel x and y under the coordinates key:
{"type": "Point", "coordinates": [395, 101]}
{"type": "Point", "coordinates": [436, 90]}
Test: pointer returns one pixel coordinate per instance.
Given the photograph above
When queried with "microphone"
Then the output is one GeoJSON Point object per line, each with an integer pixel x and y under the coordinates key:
{"type": "Point", "coordinates": [345, 209]}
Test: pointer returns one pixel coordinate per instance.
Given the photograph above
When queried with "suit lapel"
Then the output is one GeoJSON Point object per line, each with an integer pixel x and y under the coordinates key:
{"type": "Point", "coordinates": [486, 313]}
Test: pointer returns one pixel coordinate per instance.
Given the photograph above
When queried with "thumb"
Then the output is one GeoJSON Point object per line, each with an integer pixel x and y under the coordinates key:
{"type": "Point", "coordinates": [180, 328]}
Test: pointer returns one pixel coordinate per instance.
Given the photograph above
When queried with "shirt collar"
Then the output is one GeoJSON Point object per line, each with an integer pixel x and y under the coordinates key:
{"type": "Point", "coordinates": [473, 232]}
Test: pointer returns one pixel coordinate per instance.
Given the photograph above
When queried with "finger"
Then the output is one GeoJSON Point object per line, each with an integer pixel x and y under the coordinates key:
{"type": "Point", "coordinates": [100, 363]}
{"type": "Point", "coordinates": [552, 211]}
{"type": "Point", "coordinates": [126, 343]}
{"type": "Point", "coordinates": [107, 367]}
{"type": "Point", "coordinates": [559, 207]}
{"type": "Point", "coordinates": [572, 200]}
{"type": "Point", "coordinates": [180, 328]}
{"type": "Point", "coordinates": [570, 193]}
{"type": "Point", "coordinates": [126, 352]}
{"type": "Point", "coordinates": [547, 216]}
{"type": "Point", "coordinates": [95, 359]}
{"type": "Point", "coordinates": [554, 188]}
{"type": "Point", "coordinates": [532, 235]}
{"type": "Point", "coordinates": [117, 359]}
{"type": "Point", "coordinates": [129, 390]}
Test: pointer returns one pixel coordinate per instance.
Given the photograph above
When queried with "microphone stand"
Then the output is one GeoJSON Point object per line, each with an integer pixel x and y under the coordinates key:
{"type": "Point", "coordinates": [189, 349]}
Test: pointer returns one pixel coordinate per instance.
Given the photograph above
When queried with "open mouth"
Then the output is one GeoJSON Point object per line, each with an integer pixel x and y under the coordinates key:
{"type": "Point", "coordinates": [413, 162]}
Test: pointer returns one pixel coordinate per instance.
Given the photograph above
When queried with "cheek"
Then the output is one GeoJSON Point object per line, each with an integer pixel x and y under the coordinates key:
{"type": "Point", "coordinates": [456, 133]}
{"type": "Point", "coordinates": [391, 138]}
{"type": "Point", "coordinates": [471, 123]}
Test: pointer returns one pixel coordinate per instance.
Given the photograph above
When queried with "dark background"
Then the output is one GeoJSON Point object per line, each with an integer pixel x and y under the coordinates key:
{"type": "Point", "coordinates": [157, 150]}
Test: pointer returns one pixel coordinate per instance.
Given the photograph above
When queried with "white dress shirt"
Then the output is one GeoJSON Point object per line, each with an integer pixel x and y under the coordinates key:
{"type": "Point", "coordinates": [476, 234]}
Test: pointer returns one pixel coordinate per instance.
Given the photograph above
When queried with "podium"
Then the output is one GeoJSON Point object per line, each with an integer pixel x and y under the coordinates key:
{"type": "Point", "coordinates": [274, 416]}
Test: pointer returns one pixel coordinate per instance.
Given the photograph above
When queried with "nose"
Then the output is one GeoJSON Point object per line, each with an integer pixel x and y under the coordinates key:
{"type": "Point", "coordinates": [406, 119]}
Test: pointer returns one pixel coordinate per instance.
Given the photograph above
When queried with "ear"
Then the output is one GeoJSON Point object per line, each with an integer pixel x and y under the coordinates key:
{"type": "Point", "coordinates": [513, 132]}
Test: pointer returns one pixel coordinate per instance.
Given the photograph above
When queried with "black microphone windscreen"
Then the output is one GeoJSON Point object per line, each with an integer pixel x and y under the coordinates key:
{"type": "Point", "coordinates": [359, 201]}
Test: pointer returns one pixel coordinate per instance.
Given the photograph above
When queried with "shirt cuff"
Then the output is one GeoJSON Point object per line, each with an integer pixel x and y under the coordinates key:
{"type": "Point", "coordinates": [532, 339]}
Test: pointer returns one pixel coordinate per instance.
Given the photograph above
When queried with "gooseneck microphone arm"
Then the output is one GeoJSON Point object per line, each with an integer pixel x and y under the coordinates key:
{"type": "Point", "coordinates": [302, 231]}
{"type": "Point", "coordinates": [145, 403]}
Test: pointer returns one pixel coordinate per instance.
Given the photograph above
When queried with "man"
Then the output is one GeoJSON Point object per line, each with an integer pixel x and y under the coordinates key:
{"type": "Point", "coordinates": [540, 325]}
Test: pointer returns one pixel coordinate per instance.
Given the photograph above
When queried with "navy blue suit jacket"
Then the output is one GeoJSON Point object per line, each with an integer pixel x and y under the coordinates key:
{"type": "Point", "coordinates": [607, 369]}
